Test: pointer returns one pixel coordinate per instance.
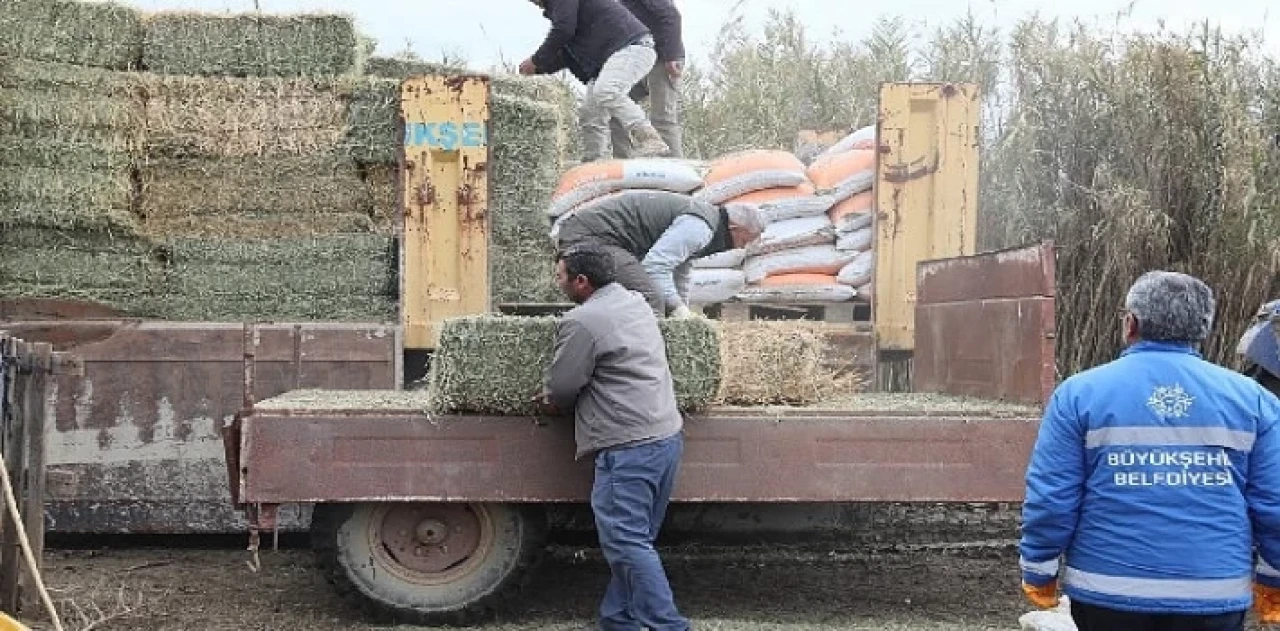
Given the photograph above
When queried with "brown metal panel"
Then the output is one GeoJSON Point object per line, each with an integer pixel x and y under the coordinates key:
{"type": "Point", "coordinates": [819, 458]}
{"type": "Point", "coordinates": [143, 423]}
{"type": "Point", "coordinates": [1013, 273]}
{"type": "Point", "coordinates": [987, 327]}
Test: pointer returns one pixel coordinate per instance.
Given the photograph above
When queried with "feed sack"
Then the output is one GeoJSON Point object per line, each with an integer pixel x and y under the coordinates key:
{"type": "Point", "coordinates": [814, 259]}
{"type": "Point", "coordinates": [859, 272]}
{"type": "Point", "coordinates": [729, 259]}
{"type": "Point", "coordinates": [774, 363]}
{"type": "Point", "coordinates": [798, 288]}
{"type": "Point", "coordinates": [793, 233]}
{"type": "Point", "coordinates": [844, 175]}
{"type": "Point", "coordinates": [589, 181]}
{"type": "Point", "coordinates": [743, 172]}
{"type": "Point", "coordinates": [864, 138]}
{"type": "Point", "coordinates": [250, 45]}
{"type": "Point", "coordinates": [99, 34]}
{"type": "Point", "coordinates": [857, 241]}
{"type": "Point", "coordinates": [855, 213]}
{"type": "Point", "coordinates": [780, 204]}
{"type": "Point", "coordinates": [712, 286]}
{"type": "Point", "coordinates": [495, 364]}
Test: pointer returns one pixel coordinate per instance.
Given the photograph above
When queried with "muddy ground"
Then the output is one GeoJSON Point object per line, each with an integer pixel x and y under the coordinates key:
{"type": "Point", "coordinates": [740, 588]}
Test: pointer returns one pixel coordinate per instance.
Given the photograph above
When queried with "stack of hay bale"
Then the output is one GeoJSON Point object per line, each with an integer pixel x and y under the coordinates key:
{"type": "Point", "coordinates": [532, 135]}
{"type": "Point", "coordinates": [70, 134]}
{"type": "Point", "coordinates": [247, 183]}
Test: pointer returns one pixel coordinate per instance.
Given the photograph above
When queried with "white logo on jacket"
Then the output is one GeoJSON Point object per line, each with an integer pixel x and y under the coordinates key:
{"type": "Point", "coordinates": [1169, 402]}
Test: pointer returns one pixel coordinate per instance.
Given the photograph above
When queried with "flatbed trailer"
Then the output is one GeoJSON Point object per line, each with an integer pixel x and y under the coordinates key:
{"type": "Point", "coordinates": [437, 517]}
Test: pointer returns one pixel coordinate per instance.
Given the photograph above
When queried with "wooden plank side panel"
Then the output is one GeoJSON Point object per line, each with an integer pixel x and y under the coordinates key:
{"type": "Point", "coordinates": [444, 257]}
{"type": "Point", "coordinates": [926, 194]}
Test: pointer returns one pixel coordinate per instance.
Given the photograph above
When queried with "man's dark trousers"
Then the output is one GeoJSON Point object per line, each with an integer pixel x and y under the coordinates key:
{"type": "Point", "coordinates": [1091, 618]}
{"type": "Point", "coordinates": [629, 498]}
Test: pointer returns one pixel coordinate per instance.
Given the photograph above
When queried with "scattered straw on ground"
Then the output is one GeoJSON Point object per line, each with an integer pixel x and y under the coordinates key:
{"type": "Point", "coordinates": [250, 45]}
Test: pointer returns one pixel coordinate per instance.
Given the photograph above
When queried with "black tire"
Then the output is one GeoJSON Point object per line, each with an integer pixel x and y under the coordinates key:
{"type": "Point", "coordinates": [362, 551]}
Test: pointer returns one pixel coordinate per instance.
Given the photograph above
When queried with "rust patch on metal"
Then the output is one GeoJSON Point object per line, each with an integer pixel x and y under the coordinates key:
{"type": "Point", "coordinates": [916, 169]}
{"type": "Point", "coordinates": [949, 91]}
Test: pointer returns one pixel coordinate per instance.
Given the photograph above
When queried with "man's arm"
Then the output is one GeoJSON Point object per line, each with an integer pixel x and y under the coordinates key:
{"type": "Point", "coordinates": [684, 278]}
{"type": "Point", "coordinates": [1055, 486]}
{"type": "Point", "coordinates": [1262, 492]}
{"type": "Point", "coordinates": [686, 236]}
{"type": "Point", "coordinates": [667, 33]}
{"type": "Point", "coordinates": [564, 25]}
{"type": "Point", "coordinates": [572, 366]}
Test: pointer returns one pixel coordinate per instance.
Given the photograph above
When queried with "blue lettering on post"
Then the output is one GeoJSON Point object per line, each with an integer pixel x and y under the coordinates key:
{"type": "Point", "coordinates": [447, 136]}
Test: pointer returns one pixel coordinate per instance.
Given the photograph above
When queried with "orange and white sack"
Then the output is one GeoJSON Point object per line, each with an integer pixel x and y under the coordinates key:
{"type": "Point", "coordinates": [853, 214]}
{"type": "Point", "coordinates": [793, 233]}
{"type": "Point", "coordinates": [712, 286]}
{"type": "Point", "coordinates": [856, 241]}
{"type": "Point", "coordinates": [859, 272]}
{"type": "Point", "coordinates": [798, 288]}
{"type": "Point", "coordinates": [864, 138]}
{"type": "Point", "coordinates": [737, 174]}
{"type": "Point", "coordinates": [729, 259]}
{"type": "Point", "coordinates": [591, 180]}
{"type": "Point", "coordinates": [792, 202]}
{"type": "Point", "coordinates": [844, 175]}
{"type": "Point", "coordinates": [814, 259]}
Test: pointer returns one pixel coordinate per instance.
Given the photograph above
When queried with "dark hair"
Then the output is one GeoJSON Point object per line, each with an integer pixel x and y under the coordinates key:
{"type": "Point", "coordinates": [591, 261]}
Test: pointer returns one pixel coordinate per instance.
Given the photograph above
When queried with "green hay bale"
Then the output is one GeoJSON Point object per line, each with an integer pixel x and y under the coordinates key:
{"type": "Point", "coordinates": [46, 152]}
{"type": "Point", "coordinates": [238, 117]}
{"type": "Point", "coordinates": [78, 265]}
{"type": "Point", "coordinates": [494, 364]}
{"type": "Point", "coordinates": [105, 190]}
{"type": "Point", "coordinates": [384, 194]}
{"type": "Point", "coordinates": [67, 79]}
{"type": "Point", "coordinates": [292, 307]}
{"type": "Point", "coordinates": [102, 34]}
{"type": "Point", "coordinates": [67, 218]}
{"type": "Point", "coordinates": [250, 45]}
{"type": "Point", "coordinates": [256, 226]}
{"type": "Point", "coordinates": [256, 186]}
{"type": "Point", "coordinates": [372, 122]}
{"type": "Point", "coordinates": [24, 110]}
{"type": "Point", "coordinates": [523, 273]}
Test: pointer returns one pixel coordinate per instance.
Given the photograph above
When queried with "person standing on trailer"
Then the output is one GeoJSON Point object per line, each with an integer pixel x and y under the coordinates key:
{"type": "Point", "coordinates": [1157, 477]}
{"type": "Point", "coordinates": [662, 86]}
{"type": "Point", "coordinates": [610, 370]}
{"type": "Point", "coordinates": [608, 50]}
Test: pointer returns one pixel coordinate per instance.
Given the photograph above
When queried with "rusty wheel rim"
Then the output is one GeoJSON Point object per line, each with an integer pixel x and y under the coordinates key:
{"type": "Point", "coordinates": [431, 544]}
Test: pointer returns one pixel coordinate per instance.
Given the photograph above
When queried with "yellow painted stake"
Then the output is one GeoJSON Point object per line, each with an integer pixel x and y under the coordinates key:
{"type": "Point", "coordinates": [444, 260]}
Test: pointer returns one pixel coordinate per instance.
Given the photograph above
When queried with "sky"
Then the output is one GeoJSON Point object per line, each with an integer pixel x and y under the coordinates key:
{"type": "Point", "coordinates": [490, 32]}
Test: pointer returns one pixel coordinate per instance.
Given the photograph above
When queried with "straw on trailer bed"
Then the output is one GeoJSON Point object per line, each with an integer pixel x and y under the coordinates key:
{"type": "Point", "coordinates": [234, 117]}
{"type": "Point", "coordinates": [250, 45]}
{"type": "Point", "coordinates": [66, 187]}
{"type": "Point", "coordinates": [282, 185]}
{"type": "Point", "coordinates": [102, 34]}
{"type": "Point", "coordinates": [495, 364]}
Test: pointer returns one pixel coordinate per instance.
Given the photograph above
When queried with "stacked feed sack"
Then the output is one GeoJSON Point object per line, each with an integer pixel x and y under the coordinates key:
{"type": "Point", "coordinates": [528, 146]}
{"type": "Point", "coordinates": [495, 364]}
{"type": "Point", "coordinates": [71, 121]}
{"type": "Point", "coordinates": [246, 181]}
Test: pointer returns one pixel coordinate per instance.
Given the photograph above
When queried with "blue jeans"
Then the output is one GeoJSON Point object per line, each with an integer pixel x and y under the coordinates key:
{"type": "Point", "coordinates": [629, 498]}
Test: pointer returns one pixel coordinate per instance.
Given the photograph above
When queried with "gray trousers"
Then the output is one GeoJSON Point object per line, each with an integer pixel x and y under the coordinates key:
{"type": "Point", "coordinates": [664, 113]}
{"type": "Point", "coordinates": [608, 99]}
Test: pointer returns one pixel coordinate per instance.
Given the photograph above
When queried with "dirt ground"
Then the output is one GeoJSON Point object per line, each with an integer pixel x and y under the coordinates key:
{"type": "Point", "coordinates": [747, 589]}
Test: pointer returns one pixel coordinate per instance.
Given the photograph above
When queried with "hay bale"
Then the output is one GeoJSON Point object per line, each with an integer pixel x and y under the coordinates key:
{"type": "Point", "coordinates": [495, 364]}
{"type": "Point", "coordinates": [64, 188]}
{"type": "Point", "coordinates": [101, 34]}
{"type": "Point", "coordinates": [75, 219]}
{"type": "Point", "coordinates": [65, 78]}
{"type": "Point", "coordinates": [67, 263]}
{"type": "Point", "coordinates": [775, 363]}
{"type": "Point", "coordinates": [239, 117]}
{"type": "Point", "coordinates": [372, 135]}
{"type": "Point", "coordinates": [384, 194]}
{"type": "Point", "coordinates": [302, 185]}
{"type": "Point", "coordinates": [259, 226]}
{"type": "Point", "coordinates": [52, 152]}
{"type": "Point", "coordinates": [25, 110]}
{"type": "Point", "coordinates": [250, 45]}
{"type": "Point", "coordinates": [290, 307]}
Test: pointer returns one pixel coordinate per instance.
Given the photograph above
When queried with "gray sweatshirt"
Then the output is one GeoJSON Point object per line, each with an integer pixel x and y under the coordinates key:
{"type": "Point", "coordinates": [610, 368]}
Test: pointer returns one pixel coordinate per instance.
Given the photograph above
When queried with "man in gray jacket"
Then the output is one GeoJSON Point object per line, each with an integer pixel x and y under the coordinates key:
{"type": "Point", "coordinates": [662, 86]}
{"type": "Point", "coordinates": [610, 369]}
{"type": "Point", "coordinates": [654, 236]}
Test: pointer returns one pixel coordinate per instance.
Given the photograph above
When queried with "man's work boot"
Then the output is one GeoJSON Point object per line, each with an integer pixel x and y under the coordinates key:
{"type": "Point", "coordinates": [648, 144]}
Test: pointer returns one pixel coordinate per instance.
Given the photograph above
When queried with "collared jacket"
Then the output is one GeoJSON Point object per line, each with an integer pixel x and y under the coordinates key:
{"type": "Point", "coordinates": [1154, 479]}
{"type": "Point", "coordinates": [584, 35]}
{"type": "Point", "coordinates": [664, 21]}
{"type": "Point", "coordinates": [610, 368]}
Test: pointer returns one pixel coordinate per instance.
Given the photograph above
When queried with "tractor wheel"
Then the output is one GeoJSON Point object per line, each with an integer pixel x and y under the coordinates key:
{"type": "Point", "coordinates": [428, 563]}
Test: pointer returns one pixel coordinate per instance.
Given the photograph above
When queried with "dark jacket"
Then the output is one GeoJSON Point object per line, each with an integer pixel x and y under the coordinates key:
{"type": "Point", "coordinates": [584, 34]}
{"type": "Point", "coordinates": [663, 20]}
{"type": "Point", "coordinates": [635, 222]}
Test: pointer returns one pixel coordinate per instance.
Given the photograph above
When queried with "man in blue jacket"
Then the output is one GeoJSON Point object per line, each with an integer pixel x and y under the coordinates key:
{"type": "Point", "coordinates": [1157, 476]}
{"type": "Point", "coordinates": [610, 50]}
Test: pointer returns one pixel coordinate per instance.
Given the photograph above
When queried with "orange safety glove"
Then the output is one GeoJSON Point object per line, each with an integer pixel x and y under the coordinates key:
{"type": "Point", "coordinates": [1044, 596]}
{"type": "Point", "coordinates": [1266, 603]}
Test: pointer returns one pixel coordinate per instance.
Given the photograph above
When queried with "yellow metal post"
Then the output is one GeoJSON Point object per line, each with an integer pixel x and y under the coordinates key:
{"type": "Point", "coordinates": [444, 257]}
{"type": "Point", "coordinates": [926, 194]}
